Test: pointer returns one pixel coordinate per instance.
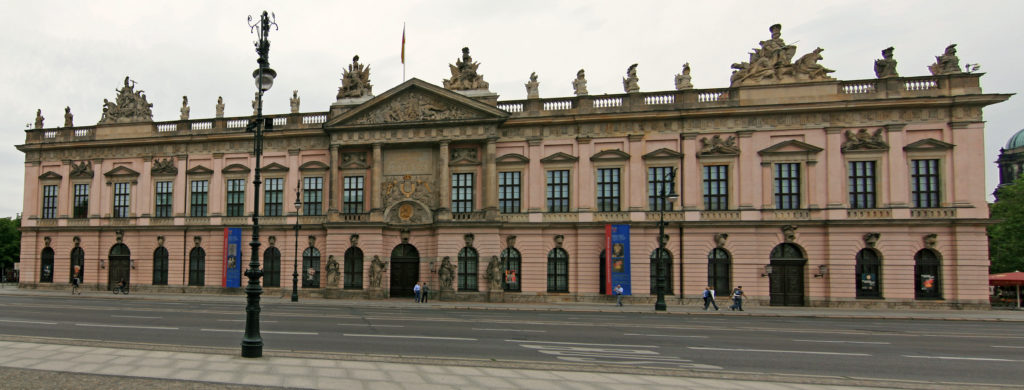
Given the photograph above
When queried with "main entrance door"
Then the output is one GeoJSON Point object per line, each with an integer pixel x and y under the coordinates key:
{"type": "Point", "coordinates": [119, 266]}
{"type": "Point", "coordinates": [405, 270]}
{"type": "Point", "coordinates": [786, 282]}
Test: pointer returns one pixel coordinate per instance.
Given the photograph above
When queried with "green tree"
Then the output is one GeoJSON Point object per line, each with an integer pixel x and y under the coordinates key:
{"type": "Point", "coordinates": [10, 242]}
{"type": "Point", "coordinates": [1006, 236]}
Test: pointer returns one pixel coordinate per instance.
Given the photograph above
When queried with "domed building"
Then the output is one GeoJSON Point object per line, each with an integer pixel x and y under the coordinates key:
{"type": "Point", "coordinates": [1011, 159]}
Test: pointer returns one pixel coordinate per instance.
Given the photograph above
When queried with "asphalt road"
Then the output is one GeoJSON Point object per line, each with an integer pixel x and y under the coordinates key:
{"type": "Point", "coordinates": [919, 350]}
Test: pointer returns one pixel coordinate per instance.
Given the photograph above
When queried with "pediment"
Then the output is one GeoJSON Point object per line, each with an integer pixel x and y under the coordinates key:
{"type": "Point", "coordinates": [121, 171]}
{"type": "Point", "coordinates": [274, 167]}
{"type": "Point", "coordinates": [199, 170]}
{"type": "Point", "coordinates": [512, 158]}
{"type": "Point", "coordinates": [790, 147]}
{"type": "Point", "coordinates": [559, 157]}
{"type": "Point", "coordinates": [416, 101]}
{"type": "Point", "coordinates": [235, 168]}
{"type": "Point", "coordinates": [928, 144]}
{"type": "Point", "coordinates": [314, 166]}
{"type": "Point", "coordinates": [354, 160]}
{"type": "Point", "coordinates": [50, 175]}
{"type": "Point", "coordinates": [464, 156]}
{"type": "Point", "coordinates": [610, 155]}
{"type": "Point", "coordinates": [663, 153]}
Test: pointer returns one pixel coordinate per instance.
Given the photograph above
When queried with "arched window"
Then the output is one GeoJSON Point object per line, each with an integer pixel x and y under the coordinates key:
{"type": "Point", "coordinates": [272, 267]}
{"type": "Point", "coordinates": [927, 275]}
{"type": "Point", "coordinates": [354, 268]}
{"type": "Point", "coordinates": [469, 262]}
{"type": "Point", "coordinates": [869, 275]}
{"type": "Point", "coordinates": [46, 266]}
{"type": "Point", "coordinates": [513, 269]}
{"type": "Point", "coordinates": [310, 268]}
{"type": "Point", "coordinates": [160, 261]}
{"type": "Point", "coordinates": [719, 263]}
{"type": "Point", "coordinates": [667, 257]}
{"type": "Point", "coordinates": [78, 259]}
{"type": "Point", "coordinates": [197, 267]}
{"type": "Point", "coordinates": [558, 270]}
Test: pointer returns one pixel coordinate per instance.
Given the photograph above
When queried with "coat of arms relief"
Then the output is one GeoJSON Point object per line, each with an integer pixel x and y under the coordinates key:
{"type": "Point", "coordinates": [408, 199]}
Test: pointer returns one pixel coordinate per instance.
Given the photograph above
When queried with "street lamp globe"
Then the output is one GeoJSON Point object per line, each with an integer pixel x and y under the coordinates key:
{"type": "Point", "coordinates": [264, 80]}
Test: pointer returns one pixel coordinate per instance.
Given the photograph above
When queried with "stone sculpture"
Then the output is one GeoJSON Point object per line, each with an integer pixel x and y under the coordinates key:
{"type": "Point", "coordinates": [164, 166]}
{"type": "Point", "coordinates": [864, 140]}
{"type": "Point", "coordinates": [39, 118]}
{"type": "Point", "coordinates": [495, 271]}
{"type": "Point", "coordinates": [629, 83]}
{"type": "Point", "coordinates": [447, 274]}
{"type": "Point", "coordinates": [256, 103]}
{"type": "Point", "coordinates": [886, 67]}
{"type": "Point", "coordinates": [771, 64]}
{"type": "Point", "coordinates": [220, 106]}
{"type": "Point", "coordinates": [579, 85]}
{"type": "Point", "coordinates": [532, 90]}
{"type": "Point", "coordinates": [333, 272]}
{"type": "Point", "coordinates": [871, 239]}
{"type": "Point", "coordinates": [82, 169]}
{"type": "Point", "coordinates": [355, 82]}
{"type": "Point", "coordinates": [683, 79]}
{"type": "Point", "coordinates": [184, 108]}
{"type": "Point", "coordinates": [377, 267]}
{"type": "Point", "coordinates": [129, 106]}
{"type": "Point", "coordinates": [716, 145]}
{"type": "Point", "coordinates": [789, 233]}
{"type": "Point", "coordinates": [720, 239]}
{"type": "Point", "coordinates": [69, 120]}
{"type": "Point", "coordinates": [808, 65]}
{"type": "Point", "coordinates": [294, 101]}
{"type": "Point", "coordinates": [947, 63]}
{"type": "Point", "coordinates": [464, 74]}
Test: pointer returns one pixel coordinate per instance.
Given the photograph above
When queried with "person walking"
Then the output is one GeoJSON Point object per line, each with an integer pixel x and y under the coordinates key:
{"type": "Point", "coordinates": [426, 292]}
{"type": "Point", "coordinates": [709, 298]}
{"type": "Point", "coordinates": [75, 281]}
{"type": "Point", "coordinates": [416, 290]}
{"type": "Point", "coordinates": [737, 298]}
{"type": "Point", "coordinates": [618, 290]}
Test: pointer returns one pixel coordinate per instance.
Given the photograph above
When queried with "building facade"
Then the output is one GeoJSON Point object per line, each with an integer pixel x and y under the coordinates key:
{"type": "Point", "coordinates": [803, 189]}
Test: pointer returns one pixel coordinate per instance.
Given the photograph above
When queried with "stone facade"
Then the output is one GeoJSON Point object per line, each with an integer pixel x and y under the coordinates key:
{"type": "Point", "coordinates": [412, 172]}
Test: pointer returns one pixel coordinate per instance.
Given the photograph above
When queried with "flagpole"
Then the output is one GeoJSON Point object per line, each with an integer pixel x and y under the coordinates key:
{"type": "Point", "coordinates": [403, 52]}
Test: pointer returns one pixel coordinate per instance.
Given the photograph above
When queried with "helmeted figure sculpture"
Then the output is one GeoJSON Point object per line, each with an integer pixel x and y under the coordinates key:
{"type": "Point", "coordinates": [464, 75]}
{"type": "Point", "coordinates": [947, 63]}
{"type": "Point", "coordinates": [886, 66]}
{"type": "Point", "coordinates": [355, 81]}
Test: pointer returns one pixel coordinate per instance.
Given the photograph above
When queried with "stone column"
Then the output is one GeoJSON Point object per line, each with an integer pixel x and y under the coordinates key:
{"type": "Point", "coordinates": [377, 181]}
{"type": "Point", "coordinates": [444, 182]}
{"type": "Point", "coordinates": [490, 182]}
{"type": "Point", "coordinates": [332, 182]}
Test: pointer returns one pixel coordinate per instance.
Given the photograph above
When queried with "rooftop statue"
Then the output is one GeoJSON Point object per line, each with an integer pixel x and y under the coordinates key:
{"type": "Point", "coordinates": [130, 106]}
{"type": "Point", "coordinates": [683, 79]}
{"type": "Point", "coordinates": [886, 67]}
{"type": "Point", "coordinates": [772, 64]}
{"type": "Point", "coordinates": [464, 75]}
{"type": "Point", "coordinates": [39, 118]}
{"type": "Point", "coordinates": [294, 101]}
{"type": "Point", "coordinates": [68, 118]}
{"type": "Point", "coordinates": [947, 63]}
{"type": "Point", "coordinates": [256, 103]}
{"type": "Point", "coordinates": [629, 83]}
{"type": "Point", "coordinates": [579, 85]}
{"type": "Point", "coordinates": [184, 108]}
{"type": "Point", "coordinates": [532, 90]}
{"type": "Point", "coordinates": [220, 106]}
{"type": "Point", "coordinates": [355, 81]}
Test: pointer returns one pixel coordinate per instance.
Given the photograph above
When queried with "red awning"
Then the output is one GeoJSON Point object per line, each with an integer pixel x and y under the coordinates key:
{"type": "Point", "coordinates": [1015, 278]}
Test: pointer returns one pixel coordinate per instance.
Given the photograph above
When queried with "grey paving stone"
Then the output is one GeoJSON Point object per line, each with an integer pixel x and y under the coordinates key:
{"type": "Point", "coordinates": [339, 383]}
{"type": "Point", "coordinates": [303, 382]}
{"type": "Point", "coordinates": [406, 377]}
{"type": "Point", "coordinates": [368, 375]}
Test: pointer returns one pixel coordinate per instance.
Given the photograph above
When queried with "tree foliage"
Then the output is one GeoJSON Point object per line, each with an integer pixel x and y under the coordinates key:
{"type": "Point", "coordinates": [1006, 236]}
{"type": "Point", "coordinates": [10, 242]}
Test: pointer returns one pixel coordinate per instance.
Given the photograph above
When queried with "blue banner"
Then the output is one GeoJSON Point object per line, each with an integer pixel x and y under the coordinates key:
{"type": "Point", "coordinates": [617, 258]}
{"type": "Point", "coordinates": [232, 258]}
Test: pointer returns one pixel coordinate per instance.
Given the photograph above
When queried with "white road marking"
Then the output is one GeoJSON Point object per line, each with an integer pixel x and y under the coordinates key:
{"type": "Point", "coordinates": [128, 326]}
{"type": "Point", "coordinates": [510, 330]}
{"type": "Point", "coordinates": [261, 331]}
{"type": "Point", "coordinates": [602, 353]}
{"type": "Point", "coordinates": [778, 351]}
{"type": "Point", "coordinates": [375, 325]}
{"type": "Point", "coordinates": [116, 316]}
{"type": "Point", "coordinates": [261, 321]}
{"type": "Point", "coordinates": [30, 322]}
{"type": "Point", "coordinates": [595, 345]}
{"type": "Point", "coordinates": [844, 342]}
{"type": "Point", "coordinates": [1007, 346]}
{"type": "Point", "coordinates": [962, 358]}
{"type": "Point", "coordinates": [664, 335]}
{"type": "Point", "coordinates": [407, 337]}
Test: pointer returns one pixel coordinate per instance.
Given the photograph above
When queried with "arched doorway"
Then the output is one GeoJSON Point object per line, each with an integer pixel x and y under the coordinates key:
{"type": "Point", "coordinates": [46, 266]}
{"type": "Point", "coordinates": [272, 267]}
{"type": "Point", "coordinates": [405, 270]}
{"type": "Point", "coordinates": [119, 266]}
{"type": "Point", "coordinates": [719, 264]}
{"type": "Point", "coordinates": [77, 260]}
{"type": "Point", "coordinates": [927, 275]}
{"type": "Point", "coordinates": [311, 268]}
{"type": "Point", "coordinates": [786, 281]}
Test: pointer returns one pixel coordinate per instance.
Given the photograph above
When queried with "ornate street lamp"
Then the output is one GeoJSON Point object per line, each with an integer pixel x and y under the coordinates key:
{"type": "Point", "coordinates": [252, 342]}
{"type": "Point", "coordinates": [670, 176]}
{"type": "Point", "coordinates": [295, 263]}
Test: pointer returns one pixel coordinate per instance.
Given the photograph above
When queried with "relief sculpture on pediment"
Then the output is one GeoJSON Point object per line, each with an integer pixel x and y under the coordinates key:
{"type": "Point", "coordinates": [414, 107]}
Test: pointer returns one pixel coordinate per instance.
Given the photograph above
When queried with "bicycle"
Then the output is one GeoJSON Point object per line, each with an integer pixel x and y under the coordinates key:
{"type": "Point", "coordinates": [120, 290]}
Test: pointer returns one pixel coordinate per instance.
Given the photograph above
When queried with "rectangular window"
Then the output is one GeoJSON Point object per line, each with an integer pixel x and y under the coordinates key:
{"type": "Point", "coordinates": [462, 192]}
{"type": "Point", "coordinates": [273, 197]}
{"type": "Point", "coordinates": [353, 202]}
{"type": "Point", "coordinates": [236, 198]}
{"type": "Point", "coordinates": [558, 191]}
{"type": "Point", "coordinates": [509, 192]}
{"type": "Point", "coordinates": [787, 186]}
{"type": "Point", "coordinates": [49, 202]}
{"type": "Point", "coordinates": [164, 199]}
{"type": "Point", "coordinates": [312, 195]}
{"type": "Point", "coordinates": [862, 184]}
{"type": "Point", "coordinates": [122, 199]}
{"type": "Point", "coordinates": [200, 197]}
{"type": "Point", "coordinates": [608, 189]}
{"type": "Point", "coordinates": [924, 177]}
{"type": "Point", "coordinates": [81, 205]}
{"type": "Point", "coordinates": [716, 187]}
{"type": "Point", "coordinates": [660, 180]}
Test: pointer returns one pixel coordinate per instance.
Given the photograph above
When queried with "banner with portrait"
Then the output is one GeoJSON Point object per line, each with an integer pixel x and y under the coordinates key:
{"type": "Point", "coordinates": [616, 249]}
{"type": "Point", "coordinates": [232, 258]}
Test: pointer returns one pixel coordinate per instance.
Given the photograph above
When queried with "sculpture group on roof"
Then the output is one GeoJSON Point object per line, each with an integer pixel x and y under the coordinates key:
{"type": "Point", "coordinates": [886, 66]}
{"type": "Point", "coordinates": [947, 63]}
{"type": "Point", "coordinates": [464, 75]}
{"type": "Point", "coordinates": [629, 83]}
{"type": "Point", "coordinates": [130, 106]}
{"type": "Point", "coordinates": [355, 81]}
{"type": "Point", "coordinates": [772, 64]}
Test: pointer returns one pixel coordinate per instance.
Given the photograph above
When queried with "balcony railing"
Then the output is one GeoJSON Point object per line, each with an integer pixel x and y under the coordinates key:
{"type": "Point", "coordinates": [933, 213]}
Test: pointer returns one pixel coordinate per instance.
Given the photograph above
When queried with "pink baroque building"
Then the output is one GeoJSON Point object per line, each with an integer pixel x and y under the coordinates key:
{"type": "Point", "coordinates": [803, 189]}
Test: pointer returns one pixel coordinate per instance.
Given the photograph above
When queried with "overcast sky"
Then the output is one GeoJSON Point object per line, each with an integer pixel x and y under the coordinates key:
{"type": "Point", "coordinates": [75, 54]}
